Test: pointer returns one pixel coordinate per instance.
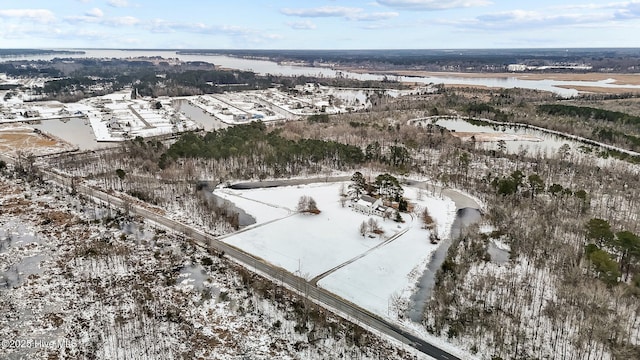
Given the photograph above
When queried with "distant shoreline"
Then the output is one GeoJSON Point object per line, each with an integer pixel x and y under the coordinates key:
{"type": "Point", "coordinates": [617, 78]}
{"type": "Point", "coordinates": [31, 52]}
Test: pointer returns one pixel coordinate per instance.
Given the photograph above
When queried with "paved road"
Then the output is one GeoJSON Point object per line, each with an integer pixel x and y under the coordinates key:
{"type": "Point", "coordinates": [338, 305]}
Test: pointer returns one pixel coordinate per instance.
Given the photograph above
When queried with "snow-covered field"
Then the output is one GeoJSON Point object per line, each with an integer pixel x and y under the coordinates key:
{"type": "Point", "coordinates": [310, 245]}
{"type": "Point", "coordinates": [78, 281]}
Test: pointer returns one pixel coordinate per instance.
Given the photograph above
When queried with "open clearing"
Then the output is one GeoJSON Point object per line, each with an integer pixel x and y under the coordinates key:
{"type": "Point", "coordinates": [492, 137]}
{"type": "Point", "coordinates": [14, 139]}
{"type": "Point", "coordinates": [310, 245]}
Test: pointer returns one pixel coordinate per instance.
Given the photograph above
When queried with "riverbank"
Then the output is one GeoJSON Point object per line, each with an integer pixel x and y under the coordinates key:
{"type": "Point", "coordinates": [619, 79]}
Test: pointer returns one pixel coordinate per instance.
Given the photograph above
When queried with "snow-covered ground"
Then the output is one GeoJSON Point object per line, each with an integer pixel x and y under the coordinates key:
{"type": "Point", "coordinates": [272, 104]}
{"type": "Point", "coordinates": [234, 108]}
{"type": "Point", "coordinates": [113, 117]}
{"type": "Point", "coordinates": [310, 245]}
{"type": "Point", "coordinates": [388, 275]}
{"type": "Point", "coordinates": [16, 139]}
{"type": "Point", "coordinates": [77, 283]}
{"type": "Point", "coordinates": [116, 117]}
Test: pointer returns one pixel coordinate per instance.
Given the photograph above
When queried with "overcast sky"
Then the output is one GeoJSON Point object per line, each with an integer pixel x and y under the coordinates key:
{"type": "Point", "coordinates": [318, 24]}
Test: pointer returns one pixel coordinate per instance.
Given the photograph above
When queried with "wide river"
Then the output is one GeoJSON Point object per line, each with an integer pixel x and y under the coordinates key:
{"type": "Point", "coordinates": [264, 67]}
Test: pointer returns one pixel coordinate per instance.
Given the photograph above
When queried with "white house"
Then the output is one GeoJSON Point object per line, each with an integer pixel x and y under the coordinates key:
{"type": "Point", "coordinates": [370, 206]}
{"type": "Point", "coordinates": [516, 67]}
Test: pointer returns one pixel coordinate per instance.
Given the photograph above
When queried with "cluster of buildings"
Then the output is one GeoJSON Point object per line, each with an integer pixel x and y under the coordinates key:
{"type": "Point", "coordinates": [523, 67]}
{"type": "Point", "coordinates": [274, 105]}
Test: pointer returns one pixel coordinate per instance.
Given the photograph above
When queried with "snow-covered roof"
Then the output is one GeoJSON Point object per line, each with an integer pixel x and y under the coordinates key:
{"type": "Point", "coordinates": [367, 198]}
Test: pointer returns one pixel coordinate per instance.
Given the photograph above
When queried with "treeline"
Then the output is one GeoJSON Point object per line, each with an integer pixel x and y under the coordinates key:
{"type": "Point", "coordinates": [265, 148]}
{"type": "Point", "coordinates": [197, 82]}
{"type": "Point", "coordinates": [67, 84]}
{"type": "Point", "coordinates": [26, 52]}
{"type": "Point", "coordinates": [613, 256]}
{"type": "Point", "coordinates": [486, 110]}
{"type": "Point", "coordinates": [600, 133]}
{"type": "Point", "coordinates": [291, 81]}
{"type": "Point", "coordinates": [588, 113]}
{"type": "Point", "coordinates": [17, 70]}
{"type": "Point", "coordinates": [468, 60]}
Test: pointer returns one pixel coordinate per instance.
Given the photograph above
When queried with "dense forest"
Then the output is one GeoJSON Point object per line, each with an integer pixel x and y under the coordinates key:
{"type": "Point", "coordinates": [266, 152]}
{"type": "Point", "coordinates": [16, 69]}
{"type": "Point", "coordinates": [586, 113]}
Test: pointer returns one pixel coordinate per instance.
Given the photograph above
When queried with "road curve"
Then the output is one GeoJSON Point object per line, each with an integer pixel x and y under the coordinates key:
{"type": "Point", "coordinates": [347, 310]}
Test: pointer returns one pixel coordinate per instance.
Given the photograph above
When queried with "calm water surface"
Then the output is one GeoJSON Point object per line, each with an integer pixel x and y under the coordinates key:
{"type": "Point", "coordinates": [198, 115]}
{"type": "Point", "coordinates": [74, 131]}
{"type": "Point", "coordinates": [269, 67]}
{"type": "Point", "coordinates": [549, 145]}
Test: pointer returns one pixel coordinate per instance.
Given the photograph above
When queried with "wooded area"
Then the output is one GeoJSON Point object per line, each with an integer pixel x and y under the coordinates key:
{"type": "Point", "coordinates": [570, 289]}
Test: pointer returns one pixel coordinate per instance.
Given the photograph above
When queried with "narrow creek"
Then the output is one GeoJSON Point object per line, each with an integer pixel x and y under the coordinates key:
{"type": "Point", "coordinates": [244, 219]}
{"type": "Point", "coordinates": [468, 213]}
{"type": "Point", "coordinates": [464, 217]}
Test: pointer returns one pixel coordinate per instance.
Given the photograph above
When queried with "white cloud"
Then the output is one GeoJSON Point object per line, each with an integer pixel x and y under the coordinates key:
{"type": "Point", "coordinates": [629, 11]}
{"type": "Point", "coordinates": [583, 15]}
{"type": "Point", "coordinates": [302, 25]}
{"type": "Point", "coordinates": [160, 26]}
{"type": "Point", "coordinates": [520, 19]}
{"type": "Point", "coordinates": [325, 11]}
{"type": "Point", "coordinates": [272, 37]}
{"type": "Point", "coordinates": [119, 3]}
{"type": "Point", "coordinates": [30, 31]}
{"type": "Point", "coordinates": [82, 19]}
{"type": "Point", "coordinates": [229, 29]}
{"type": "Point", "coordinates": [37, 15]}
{"type": "Point", "coordinates": [591, 6]}
{"type": "Point", "coordinates": [122, 21]}
{"type": "Point", "coordinates": [377, 16]}
{"type": "Point", "coordinates": [380, 26]}
{"type": "Point", "coordinates": [238, 33]}
{"type": "Point", "coordinates": [349, 13]}
{"type": "Point", "coordinates": [98, 18]}
{"type": "Point", "coordinates": [513, 15]}
{"type": "Point", "coordinates": [95, 12]}
{"type": "Point", "coordinates": [432, 4]}
{"type": "Point", "coordinates": [90, 34]}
